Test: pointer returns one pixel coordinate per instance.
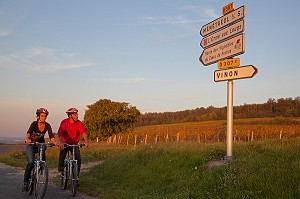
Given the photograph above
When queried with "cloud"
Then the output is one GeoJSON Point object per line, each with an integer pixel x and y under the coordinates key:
{"type": "Point", "coordinates": [42, 60]}
{"type": "Point", "coordinates": [150, 20]}
{"type": "Point", "coordinates": [207, 14]}
{"type": "Point", "coordinates": [211, 13]}
{"type": "Point", "coordinates": [123, 80]}
{"type": "Point", "coordinates": [129, 80]}
{"type": "Point", "coordinates": [4, 33]}
{"type": "Point", "coordinates": [205, 11]}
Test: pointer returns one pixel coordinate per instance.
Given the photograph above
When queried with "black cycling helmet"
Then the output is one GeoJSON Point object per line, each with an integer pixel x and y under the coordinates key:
{"type": "Point", "coordinates": [41, 110]}
{"type": "Point", "coordinates": [71, 111]}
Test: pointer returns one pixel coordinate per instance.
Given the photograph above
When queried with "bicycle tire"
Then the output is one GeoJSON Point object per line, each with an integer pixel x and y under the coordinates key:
{"type": "Point", "coordinates": [31, 181]}
{"type": "Point", "coordinates": [41, 183]}
{"type": "Point", "coordinates": [74, 178]}
{"type": "Point", "coordinates": [64, 178]}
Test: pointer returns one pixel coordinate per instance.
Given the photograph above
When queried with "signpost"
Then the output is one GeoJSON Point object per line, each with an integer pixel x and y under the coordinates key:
{"type": "Point", "coordinates": [241, 72]}
{"type": "Point", "coordinates": [228, 48]}
{"type": "Point", "coordinates": [223, 21]}
{"type": "Point", "coordinates": [224, 39]}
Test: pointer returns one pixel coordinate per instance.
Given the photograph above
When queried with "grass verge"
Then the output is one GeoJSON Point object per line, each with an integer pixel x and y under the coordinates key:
{"type": "Point", "coordinates": [268, 169]}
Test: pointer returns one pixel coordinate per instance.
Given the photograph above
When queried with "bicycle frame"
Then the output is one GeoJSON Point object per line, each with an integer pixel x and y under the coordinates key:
{"type": "Point", "coordinates": [70, 161]}
{"type": "Point", "coordinates": [39, 163]}
{"type": "Point", "coordinates": [70, 168]}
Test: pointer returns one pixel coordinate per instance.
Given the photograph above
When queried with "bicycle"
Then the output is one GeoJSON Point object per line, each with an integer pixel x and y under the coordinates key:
{"type": "Point", "coordinates": [70, 169]}
{"type": "Point", "coordinates": [38, 181]}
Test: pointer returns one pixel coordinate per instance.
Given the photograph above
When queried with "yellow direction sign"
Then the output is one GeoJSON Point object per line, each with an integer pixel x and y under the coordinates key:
{"type": "Point", "coordinates": [228, 63]}
{"type": "Point", "coordinates": [235, 73]}
{"type": "Point", "coordinates": [229, 7]}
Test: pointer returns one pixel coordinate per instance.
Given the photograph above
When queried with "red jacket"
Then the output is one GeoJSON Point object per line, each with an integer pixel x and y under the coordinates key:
{"type": "Point", "coordinates": [70, 132]}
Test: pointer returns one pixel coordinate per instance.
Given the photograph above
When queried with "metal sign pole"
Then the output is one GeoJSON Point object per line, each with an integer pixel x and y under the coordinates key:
{"type": "Point", "coordinates": [229, 156]}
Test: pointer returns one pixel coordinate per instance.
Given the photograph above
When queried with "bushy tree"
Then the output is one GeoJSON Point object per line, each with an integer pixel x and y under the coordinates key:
{"type": "Point", "coordinates": [105, 118]}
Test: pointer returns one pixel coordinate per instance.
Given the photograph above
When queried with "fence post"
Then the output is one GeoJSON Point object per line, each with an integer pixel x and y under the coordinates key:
{"type": "Point", "coordinates": [199, 139]}
{"type": "Point", "coordinates": [156, 138]}
{"type": "Point", "coordinates": [252, 136]}
{"type": "Point", "coordinates": [177, 137]}
{"type": "Point", "coordinates": [135, 140]}
{"type": "Point", "coordinates": [167, 137]}
{"type": "Point", "coordinates": [280, 134]}
{"type": "Point", "coordinates": [115, 139]}
{"type": "Point", "coordinates": [146, 137]}
{"type": "Point", "coordinates": [127, 140]}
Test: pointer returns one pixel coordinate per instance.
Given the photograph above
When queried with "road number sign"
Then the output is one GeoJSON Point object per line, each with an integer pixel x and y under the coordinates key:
{"type": "Point", "coordinates": [226, 49]}
{"type": "Point", "coordinates": [223, 21]}
{"type": "Point", "coordinates": [229, 7]}
{"type": "Point", "coordinates": [228, 63]}
{"type": "Point", "coordinates": [235, 73]}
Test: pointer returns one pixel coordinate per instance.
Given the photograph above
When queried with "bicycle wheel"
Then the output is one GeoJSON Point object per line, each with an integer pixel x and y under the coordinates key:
{"type": "Point", "coordinates": [41, 182]}
{"type": "Point", "coordinates": [31, 181]}
{"type": "Point", "coordinates": [74, 178]}
{"type": "Point", "coordinates": [64, 178]}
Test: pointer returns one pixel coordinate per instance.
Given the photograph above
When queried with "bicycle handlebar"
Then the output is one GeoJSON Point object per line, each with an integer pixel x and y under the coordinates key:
{"type": "Point", "coordinates": [50, 144]}
{"type": "Point", "coordinates": [74, 145]}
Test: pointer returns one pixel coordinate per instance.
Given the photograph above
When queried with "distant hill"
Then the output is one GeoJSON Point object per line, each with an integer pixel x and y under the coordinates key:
{"type": "Point", "coordinates": [11, 140]}
{"type": "Point", "coordinates": [283, 107]}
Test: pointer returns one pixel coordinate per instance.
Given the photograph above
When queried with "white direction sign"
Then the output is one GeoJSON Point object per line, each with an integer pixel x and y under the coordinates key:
{"type": "Point", "coordinates": [235, 73]}
{"type": "Point", "coordinates": [223, 34]}
{"type": "Point", "coordinates": [228, 48]}
{"type": "Point", "coordinates": [223, 21]}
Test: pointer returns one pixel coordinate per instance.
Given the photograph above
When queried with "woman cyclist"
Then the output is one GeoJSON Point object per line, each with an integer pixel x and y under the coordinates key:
{"type": "Point", "coordinates": [36, 133]}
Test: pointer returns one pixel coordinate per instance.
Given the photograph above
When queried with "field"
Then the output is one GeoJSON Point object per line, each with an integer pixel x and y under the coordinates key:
{"type": "Point", "coordinates": [267, 166]}
{"type": "Point", "coordinates": [247, 130]}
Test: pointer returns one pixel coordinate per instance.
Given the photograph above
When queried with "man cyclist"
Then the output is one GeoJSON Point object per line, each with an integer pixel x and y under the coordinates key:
{"type": "Point", "coordinates": [36, 133]}
{"type": "Point", "coordinates": [70, 131]}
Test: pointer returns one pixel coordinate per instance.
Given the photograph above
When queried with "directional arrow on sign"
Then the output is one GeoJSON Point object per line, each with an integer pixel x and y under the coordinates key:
{"type": "Point", "coordinates": [236, 73]}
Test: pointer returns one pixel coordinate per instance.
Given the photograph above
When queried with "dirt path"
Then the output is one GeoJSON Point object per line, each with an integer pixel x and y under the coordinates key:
{"type": "Point", "coordinates": [53, 173]}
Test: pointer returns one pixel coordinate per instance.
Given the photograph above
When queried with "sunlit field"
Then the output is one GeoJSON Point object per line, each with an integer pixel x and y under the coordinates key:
{"type": "Point", "coordinates": [172, 161]}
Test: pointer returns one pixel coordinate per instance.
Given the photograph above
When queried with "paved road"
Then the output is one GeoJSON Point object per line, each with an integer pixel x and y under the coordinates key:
{"type": "Point", "coordinates": [11, 181]}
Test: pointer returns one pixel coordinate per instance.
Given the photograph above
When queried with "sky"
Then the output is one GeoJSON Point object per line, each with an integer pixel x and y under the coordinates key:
{"type": "Point", "coordinates": [60, 54]}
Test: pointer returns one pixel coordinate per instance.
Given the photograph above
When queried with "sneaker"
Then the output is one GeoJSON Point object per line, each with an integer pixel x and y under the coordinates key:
{"type": "Point", "coordinates": [25, 187]}
{"type": "Point", "coordinates": [61, 175]}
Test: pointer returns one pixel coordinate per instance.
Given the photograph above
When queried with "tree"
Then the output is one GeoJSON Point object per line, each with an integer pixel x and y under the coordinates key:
{"type": "Point", "coordinates": [105, 118]}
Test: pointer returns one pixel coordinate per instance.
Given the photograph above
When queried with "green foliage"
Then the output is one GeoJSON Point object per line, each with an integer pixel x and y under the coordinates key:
{"type": "Point", "coordinates": [15, 158]}
{"type": "Point", "coordinates": [105, 118]}
{"type": "Point", "coordinates": [178, 170]}
{"type": "Point", "coordinates": [272, 108]}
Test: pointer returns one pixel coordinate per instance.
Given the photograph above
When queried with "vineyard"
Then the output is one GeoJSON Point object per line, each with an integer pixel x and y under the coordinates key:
{"type": "Point", "coordinates": [244, 130]}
